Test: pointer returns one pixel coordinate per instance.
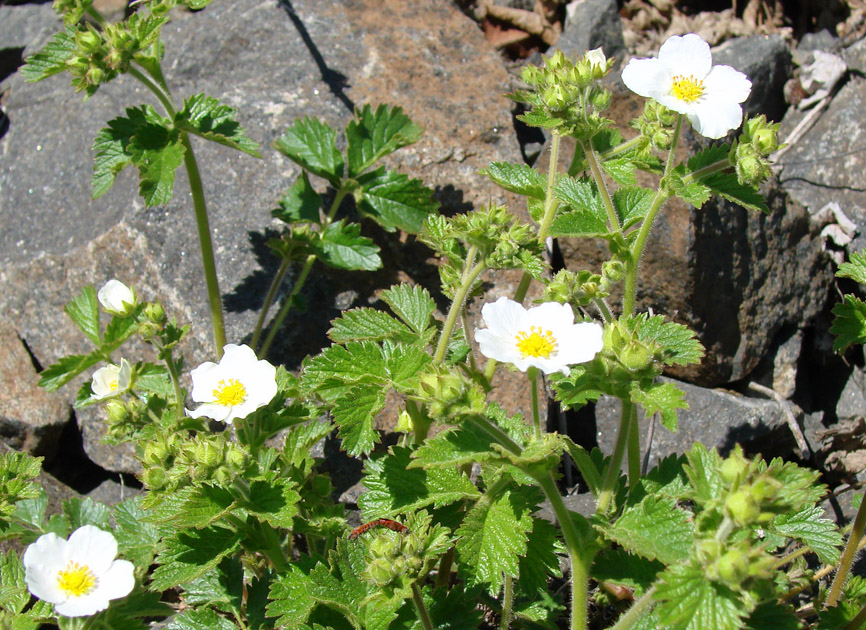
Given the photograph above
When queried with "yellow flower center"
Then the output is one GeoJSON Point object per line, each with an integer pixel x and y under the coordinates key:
{"type": "Point", "coordinates": [230, 393]}
{"type": "Point", "coordinates": [536, 343]}
{"type": "Point", "coordinates": [76, 580]}
{"type": "Point", "coordinates": [688, 89]}
{"type": "Point", "coordinates": [113, 386]}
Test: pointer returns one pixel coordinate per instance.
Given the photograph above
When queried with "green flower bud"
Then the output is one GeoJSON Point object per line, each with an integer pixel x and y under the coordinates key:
{"type": "Point", "coordinates": [613, 270]}
{"type": "Point", "coordinates": [148, 330]}
{"type": "Point", "coordinates": [153, 312]}
{"type": "Point", "coordinates": [404, 423]}
{"type": "Point", "coordinates": [733, 567]}
{"type": "Point", "coordinates": [379, 572]}
{"type": "Point", "coordinates": [635, 356]}
{"type": "Point", "coordinates": [235, 456]}
{"type": "Point", "coordinates": [154, 477]}
{"type": "Point", "coordinates": [117, 411]}
{"type": "Point", "coordinates": [156, 452]}
{"type": "Point", "coordinates": [413, 565]}
{"type": "Point", "coordinates": [742, 507]}
{"type": "Point", "coordinates": [708, 551]}
{"type": "Point", "coordinates": [208, 454]}
{"type": "Point", "coordinates": [94, 76]}
{"type": "Point", "coordinates": [734, 468]}
{"type": "Point", "coordinates": [88, 41]}
{"type": "Point", "coordinates": [600, 99]}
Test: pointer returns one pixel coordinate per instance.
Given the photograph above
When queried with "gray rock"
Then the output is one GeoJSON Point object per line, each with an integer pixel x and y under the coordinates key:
{"type": "Point", "coordinates": [766, 60]}
{"type": "Point", "coordinates": [785, 365]}
{"type": "Point", "coordinates": [31, 420]}
{"type": "Point", "coordinates": [27, 26]}
{"type": "Point", "coordinates": [852, 400]}
{"type": "Point", "coordinates": [717, 419]}
{"type": "Point", "coordinates": [823, 40]}
{"type": "Point", "coordinates": [111, 493]}
{"type": "Point", "coordinates": [591, 24]}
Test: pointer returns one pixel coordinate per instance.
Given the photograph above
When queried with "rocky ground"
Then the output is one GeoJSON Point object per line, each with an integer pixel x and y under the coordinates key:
{"type": "Point", "coordinates": [758, 289]}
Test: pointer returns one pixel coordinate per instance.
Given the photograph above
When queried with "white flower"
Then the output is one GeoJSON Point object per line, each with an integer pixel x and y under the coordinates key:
{"type": "Point", "coordinates": [596, 58]}
{"type": "Point", "coordinates": [111, 380]}
{"type": "Point", "coordinates": [684, 79]}
{"type": "Point", "coordinates": [235, 387]}
{"type": "Point", "coordinates": [80, 575]}
{"type": "Point", "coordinates": [117, 298]}
{"type": "Point", "coordinates": [544, 336]}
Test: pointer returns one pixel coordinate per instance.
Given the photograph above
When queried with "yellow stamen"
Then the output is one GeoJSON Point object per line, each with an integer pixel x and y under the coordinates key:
{"type": "Point", "coordinates": [76, 580]}
{"type": "Point", "coordinates": [230, 393]}
{"type": "Point", "coordinates": [112, 386]}
{"type": "Point", "coordinates": [688, 89]}
{"type": "Point", "coordinates": [536, 343]}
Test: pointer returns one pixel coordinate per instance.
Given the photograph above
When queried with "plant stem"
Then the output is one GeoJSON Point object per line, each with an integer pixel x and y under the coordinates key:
{"type": "Point", "coordinates": [581, 559]}
{"type": "Point", "coordinates": [443, 577]}
{"type": "Point", "coordinates": [287, 305]}
{"type": "Point", "coordinates": [269, 300]}
{"type": "Point", "coordinates": [632, 265]}
{"type": "Point", "coordinates": [621, 148]}
{"type": "Point", "coordinates": [634, 613]}
{"type": "Point", "coordinates": [603, 308]}
{"type": "Point", "coordinates": [159, 91]}
{"type": "Point", "coordinates": [470, 274]}
{"type": "Point", "coordinates": [175, 377]}
{"type": "Point", "coordinates": [532, 375]}
{"type": "Point", "coordinates": [507, 602]}
{"type": "Point", "coordinates": [847, 556]}
{"type": "Point", "coordinates": [423, 615]}
{"type": "Point", "coordinates": [857, 622]}
{"type": "Point", "coordinates": [709, 169]}
{"type": "Point", "coordinates": [420, 421]}
{"type": "Point", "coordinates": [634, 457]}
{"type": "Point", "coordinates": [597, 175]}
{"type": "Point", "coordinates": [612, 472]}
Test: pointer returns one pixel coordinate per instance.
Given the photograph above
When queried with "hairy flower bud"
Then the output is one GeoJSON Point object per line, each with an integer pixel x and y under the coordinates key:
{"type": "Point", "coordinates": [154, 477]}
{"type": "Point", "coordinates": [743, 507]}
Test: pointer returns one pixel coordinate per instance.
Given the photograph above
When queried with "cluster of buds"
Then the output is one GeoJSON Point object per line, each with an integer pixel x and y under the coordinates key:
{"type": "Point", "coordinates": [448, 395]}
{"type": "Point", "coordinates": [394, 560]}
{"type": "Point", "coordinates": [752, 149]}
{"type": "Point", "coordinates": [578, 288]}
{"type": "Point", "coordinates": [100, 55]}
{"type": "Point", "coordinates": [171, 462]}
{"type": "Point", "coordinates": [656, 124]}
{"type": "Point", "coordinates": [734, 564]}
{"type": "Point", "coordinates": [71, 10]}
{"type": "Point", "coordinates": [752, 491]}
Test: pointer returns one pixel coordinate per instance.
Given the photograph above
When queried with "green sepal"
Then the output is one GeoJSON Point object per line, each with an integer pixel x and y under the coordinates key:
{"type": "Point", "coordinates": [83, 310]}
{"type": "Point", "coordinates": [300, 203]}
{"type": "Point", "coordinates": [374, 134]}
{"type": "Point", "coordinates": [341, 246]}
{"type": "Point", "coordinates": [394, 201]}
{"type": "Point", "coordinates": [849, 325]}
{"type": "Point", "coordinates": [52, 58]}
{"type": "Point", "coordinates": [311, 143]}
{"type": "Point", "coordinates": [205, 116]}
{"type": "Point", "coordinates": [517, 178]}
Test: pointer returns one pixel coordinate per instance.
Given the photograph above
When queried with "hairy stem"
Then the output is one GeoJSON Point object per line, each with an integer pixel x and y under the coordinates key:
{"type": "Point", "coordinates": [507, 602]}
{"type": "Point", "coordinates": [612, 472]}
{"type": "Point", "coordinates": [847, 556]}
{"type": "Point", "coordinates": [597, 175]}
{"type": "Point", "coordinates": [634, 458]}
{"type": "Point", "coordinates": [423, 615]}
{"type": "Point", "coordinates": [470, 274]}
{"type": "Point", "coordinates": [269, 300]}
{"type": "Point", "coordinates": [532, 374]}
{"type": "Point", "coordinates": [633, 614]}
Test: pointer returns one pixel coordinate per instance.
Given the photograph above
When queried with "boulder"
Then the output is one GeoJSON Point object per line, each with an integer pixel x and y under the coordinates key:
{"type": "Point", "coordinates": [591, 24]}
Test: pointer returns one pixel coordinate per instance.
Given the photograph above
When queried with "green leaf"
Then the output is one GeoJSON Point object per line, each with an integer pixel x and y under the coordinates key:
{"type": "Point", "coordinates": [137, 539]}
{"type": "Point", "coordinates": [618, 566]}
{"type": "Point", "coordinates": [200, 619]}
{"type": "Point", "coordinates": [412, 304]}
{"type": "Point", "coordinates": [849, 325]}
{"type": "Point", "coordinates": [806, 526]}
{"type": "Point", "coordinates": [14, 595]}
{"type": "Point", "coordinates": [590, 465]}
{"type": "Point", "coordinates": [727, 186]}
{"type": "Point", "coordinates": [188, 554]}
{"type": "Point", "coordinates": [450, 609]}
{"type": "Point", "coordinates": [855, 268]}
{"type": "Point", "coordinates": [578, 223]}
{"type": "Point", "coordinates": [456, 446]}
{"type": "Point", "coordinates": [355, 414]}
{"type": "Point", "coordinates": [621, 170]}
{"type": "Point", "coordinates": [200, 506]}
{"type": "Point", "coordinates": [83, 309]}
{"type": "Point", "coordinates": [86, 511]}
{"type": "Point", "coordinates": [655, 529]}
{"type": "Point", "coordinates": [679, 344]}
{"type": "Point", "coordinates": [311, 143]}
{"type": "Point", "coordinates": [334, 371]}
{"type": "Point", "coordinates": [393, 489]}
{"type": "Point", "coordinates": [221, 587]}
{"type": "Point", "coordinates": [342, 246]}
{"type": "Point", "coordinates": [537, 118]}
{"type": "Point", "coordinates": [517, 178]}
{"type": "Point", "coordinates": [689, 601]}
{"type": "Point", "coordinates": [493, 538]}
{"type": "Point", "coordinates": [663, 399]}
{"type": "Point", "coordinates": [403, 363]}
{"type": "Point", "coordinates": [394, 201]}
{"type": "Point", "coordinates": [300, 203]}
{"type": "Point", "coordinates": [205, 116]}
{"type": "Point", "coordinates": [772, 615]}
{"type": "Point", "coordinates": [143, 138]}
{"type": "Point", "coordinates": [541, 560]}
{"type": "Point", "coordinates": [588, 216]}
{"type": "Point", "coordinates": [632, 204]}
{"type": "Point", "coordinates": [58, 374]}
{"type": "Point", "coordinates": [360, 324]}
{"type": "Point", "coordinates": [703, 473]}
{"type": "Point", "coordinates": [52, 58]}
{"type": "Point", "coordinates": [274, 502]}
{"type": "Point", "coordinates": [373, 135]}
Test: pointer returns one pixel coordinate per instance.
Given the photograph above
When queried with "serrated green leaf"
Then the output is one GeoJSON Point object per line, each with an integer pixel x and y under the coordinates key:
{"type": "Point", "coordinates": [703, 473]}
{"type": "Point", "coordinates": [338, 367]}
{"type": "Point", "coordinates": [300, 204]}
{"type": "Point", "coordinates": [222, 587]}
{"type": "Point", "coordinates": [773, 616]}
{"type": "Point", "coordinates": [727, 186]}
{"type": "Point", "coordinates": [541, 560]}
{"type": "Point", "coordinates": [354, 413]}
{"type": "Point", "coordinates": [578, 223]}
{"type": "Point", "coordinates": [360, 324]}
{"type": "Point", "coordinates": [205, 116]}
{"type": "Point", "coordinates": [655, 529]}
{"type": "Point", "coordinates": [50, 59]}
{"type": "Point", "coordinates": [849, 325]}
{"type": "Point", "coordinates": [373, 135]}
{"type": "Point", "coordinates": [689, 601]}
{"type": "Point", "coordinates": [806, 526]}
{"type": "Point", "coordinates": [412, 304]}
{"type": "Point", "coordinates": [621, 170]}
{"type": "Point", "coordinates": [396, 202]}
{"type": "Point", "coordinates": [618, 566]}
{"type": "Point", "coordinates": [855, 268]}
{"type": "Point", "coordinates": [300, 439]}
{"type": "Point", "coordinates": [582, 197]}
{"type": "Point", "coordinates": [273, 502]}
{"type": "Point", "coordinates": [341, 246]}
{"type": "Point", "coordinates": [392, 488]}
{"type": "Point", "coordinates": [119, 329]}
{"type": "Point", "coordinates": [517, 178]}
{"type": "Point", "coordinates": [492, 538]}
{"type": "Point", "coordinates": [537, 118]}
{"type": "Point", "coordinates": [86, 511]}
{"type": "Point", "coordinates": [200, 619]}
{"type": "Point", "coordinates": [695, 193]}
{"type": "Point", "coordinates": [137, 539]}
{"type": "Point", "coordinates": [679, 343]}
{"type": "Point", "coordinates": [188, 554]}
{"type": "Point", "coordinates": [663, 399]}
{"type": "Point", "coordinates": [403, 363]}
{"type": "Point", "coordinates": [590, 465]}
{"type": "Point", "coordinates": [202, 506]}
{"type": "Point", "coordinates": [14, 595]}
{"type": "Point", "coordinates": [83, 310]}
{"type": "Point", "coordinates": [311, 143]}
{"type": "Point", "coordinates": [632, 204]}
{"type": "Point", "coordinates": [456, 446]}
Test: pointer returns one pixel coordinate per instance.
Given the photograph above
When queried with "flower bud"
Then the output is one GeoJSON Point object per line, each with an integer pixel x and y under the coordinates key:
{"type": "Point", "coordinates": [379, 572]}
{"type": "Point", "coordinates": [153, 312]}
{"type": "Point", "coordinates": [613, 270]}
{"type": "Point", "coordinates": [156, 452]}
{"type": "Point", "coordinates": [117, 412]}
{"type": "Point", "coordinates": [734, 468]}
{"type": "Point", "coordinates": [635, 356]}
{"type": "Point", "coordinates": [208, 454]}
{"type": "Point", "coordinates": [733, 567]}
{"type": "Point", "coordinates": [742, 507]}
{"type": "Point", "coordinates": [404, 423]}
{"type": "Point", "coordinates": [600, 99]}
{"type": "Point", "coordinates": [117, 298]}
{"type": "Point", "coordinates": [88, 41]}
{"type": "Point", "coordinates": [154, 477]}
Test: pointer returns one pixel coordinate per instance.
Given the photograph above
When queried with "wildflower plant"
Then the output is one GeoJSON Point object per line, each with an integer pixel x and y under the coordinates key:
{"type": "Point", "coordinates": [238, 527]}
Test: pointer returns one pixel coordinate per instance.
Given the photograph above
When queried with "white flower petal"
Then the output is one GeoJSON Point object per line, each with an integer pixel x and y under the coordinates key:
{"type": "Point", "coordinates": [715, 118]}
{"type": "Point", "coordinates": [688, 55]}
{"type": "Point", "coordinates": [93, 547]}
{"type": "Point", "coordinates": [233, 352]}
{"type": "Point", "coordinates": [551, 315]}
{"type": "Point", "coordinates": [581, 343]}
{"type": "Point", "coordinates": [497, 348]}
{"type": "Point", "coordinates": [41, 562]}
{"type": "Point", "coordinates": [219, 413]}
{"type": "Point", "coordinates": [82, 606]}
{"type": "Point", "coordinates": [647, 77]}
{"type": "Point", "coordinates": [503, 317]}
{"type": "Point", "coordinates": [118, 581]}
{"type": "Point", "coordinates": [204, 380]}
{"type": "Point", "coordinates": [724, 81]}
{"type": "Point", "coordinates": [116, 297]}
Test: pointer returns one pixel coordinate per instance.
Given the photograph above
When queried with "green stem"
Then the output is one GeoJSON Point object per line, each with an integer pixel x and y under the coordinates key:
{"type": "Point", "coordinates": [287, 305]}
{"type": "Point", "coordinates": [160, 92]}
{"type": "Point", "coordinates": [621, 148]}
{"type": "Point", "coordinates": [498, 435]}
{"type": "Point", "coordinates": [420, 422]}
{"type": "Point", "coordinates": [423, 615]}
{"type": "Point", "coordinates": [269, 300]}
{"type": "Point", "coordinates": [848, 555]}
{"type": "Point", "coordinates": [443, 577]}
{"type": "Point", "coordinates": [274, 550]}
{"type": "Point", "coordinates": [532, 375]}
{"type": "Point", "coordinates": [96, 15]}
{"type": "Point", "coordinates": [633, 263]}
{"type": "Point", "coordinates": [636, 611]}
{"type": "Point", "coordinates": [597, 175]}
{"type": "Point", "coordinates": [858, 622]}
{"type": "Point", "coordinates": [175, 377]}
{"type": "Point", "coordinates": [603, 308]}
{"type": "Point", "coordinates": [634, 458]}
{"type": "Point", "coordinates": [612, 472]}
{"type": "Point", "coordinates": [457, 305]}
{"type": "Point", "coordinates": [581, 559]}
{"type": "Point", "coordinates": [709, 169]}
{"type": "Point", "coordinates": [507, 602]}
